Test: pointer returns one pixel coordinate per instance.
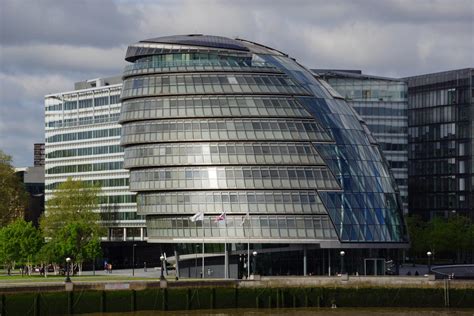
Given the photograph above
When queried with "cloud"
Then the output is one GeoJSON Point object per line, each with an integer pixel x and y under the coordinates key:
{"type": "Point", "coordinates": [84, 22]}
{"type": "Point", "coordinates": [47, 45]}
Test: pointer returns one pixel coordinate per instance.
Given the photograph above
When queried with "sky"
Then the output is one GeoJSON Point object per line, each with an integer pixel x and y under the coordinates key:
{"type": "Point", "coordinates": [47, 45]}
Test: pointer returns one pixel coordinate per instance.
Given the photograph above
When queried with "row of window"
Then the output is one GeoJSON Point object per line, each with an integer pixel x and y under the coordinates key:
{"type": "Point", "coordinates": [434, 132]}
{"type": "Point", "coordinates": [84, 103]}
{"type": "Point", "coordinates": [437, 97]}
{"type": "Point", "coordinates": [376, 90]}
{"type": "Point", "coordinates": [292, 227]}
{"type": "Point", "coordinates": [66, 137]}
{"type": "Point", "coordinates": [393, 146]}
{"type": "Point", "coordinates": [122, 216]}
{"type": "Point", "coordinates": [117, 199]}
{"type": "Point", "coordinates": [437, 183]}
{"type": "Point", "coordinates": [438, 149]}
{"type": "Point", "coordinates": [206, 106]}
{"type": "Point", "coordinates": [102, 166]}
{"type": "Point", "coordinates": [388, 129]}
{"type": "Point", "coordinates": [88, 120]}
{"type": "Point", "coordinates": [209, 84]}
{"type": "Point", "coordinates": [299, 202]}
{"type": "Point", "coordinates": [87, 151]}
{"type": "Point", "coordinates": [232, 177]}
{"type": "Point", "coordinates": [380, 110]}
{"type": "Point", "coordinates": [189, 66]}
{"type": "Point", "coordinates": [221, 153]}
{"type": "Point", "coordinates": [103, 183]}
{"type": "Point", "coordinates": [438, 115]}
{"type": "Point", "coordinates": [155, 131]}
{"type": "Point", "coordinates": [447, 166]}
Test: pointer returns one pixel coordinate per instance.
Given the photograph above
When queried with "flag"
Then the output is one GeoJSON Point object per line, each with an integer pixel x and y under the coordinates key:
{"type": "Point", "coordinates": [245, 218]}
{"type": "Point", "coordinates": [199, 216]}
{"type": "Point", "coordinates": [220, 217]}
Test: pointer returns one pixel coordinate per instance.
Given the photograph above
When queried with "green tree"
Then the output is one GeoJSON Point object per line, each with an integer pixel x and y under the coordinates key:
{"type": "Point", "coordinates": [13, 197]}
{"type": "Point", "coordinates": [20, 242]}
{"type": "Point", "coordinates": [418, 237]}
{"type": "Point", "coordinates": [71, 223]}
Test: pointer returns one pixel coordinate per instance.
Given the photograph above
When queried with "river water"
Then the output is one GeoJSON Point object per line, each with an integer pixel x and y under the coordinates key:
{"type": "Point", "coordinates": [304, 312]}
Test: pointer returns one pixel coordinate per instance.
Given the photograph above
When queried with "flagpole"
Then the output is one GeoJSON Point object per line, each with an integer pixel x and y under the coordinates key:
{"type": "Point", "coordinates": [226, 258]}
{"type": "Point", "coordinates": [203, 246]}
{"type": "Point", "coordinates": [248, 250]}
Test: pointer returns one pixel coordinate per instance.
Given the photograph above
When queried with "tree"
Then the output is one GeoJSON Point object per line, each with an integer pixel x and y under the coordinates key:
{"type": "Point", "coordinates": [71, 223]}
{"type": "Point", "coordinates": [20, 242]}
{"type": "Point", "coordinates": [13, 197]}
{"type": "Point", "coordinates": [417, 233]}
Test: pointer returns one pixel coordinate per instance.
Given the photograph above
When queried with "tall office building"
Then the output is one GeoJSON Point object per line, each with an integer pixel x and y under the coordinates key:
{"type": "Point", "coordinates": [83, 142]}
{"type": "Point", "coordinates": [441, 147]}
{"type": "Point", "coordinates": [261, 151]}
{"type": "Point", "coordinates": [38, 154]}
{"type": "Point", "coordinates": [382, 103]}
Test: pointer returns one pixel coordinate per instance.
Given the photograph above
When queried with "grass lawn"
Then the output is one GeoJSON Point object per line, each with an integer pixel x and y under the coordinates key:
{"type": "Point", "coordinates": [59, 278]}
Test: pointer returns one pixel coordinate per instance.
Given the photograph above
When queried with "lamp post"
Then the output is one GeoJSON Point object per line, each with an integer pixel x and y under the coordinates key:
{"type": "Point", "coordinates": [162, 277]}
{"type": "Point", "coordinates": [68, 279]}
{"type": "Point", "coordinates": [133, 259]}
{"type": "Point", "coordinates": [342, 253]}
{"type": "Point", "coordinates": [429, 253]}
{"type": "Point", "coordinates": [196, 249]}
{"type": "Point", "coordinates": [254, 262]}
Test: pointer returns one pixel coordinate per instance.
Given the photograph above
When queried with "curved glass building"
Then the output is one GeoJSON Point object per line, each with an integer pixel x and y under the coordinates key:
{"type": "Point", "coordinates": [263, 153]}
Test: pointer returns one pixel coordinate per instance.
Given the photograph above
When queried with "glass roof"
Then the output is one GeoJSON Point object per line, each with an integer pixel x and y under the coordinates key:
{"type": "Point", "coordinates": [200, 40]}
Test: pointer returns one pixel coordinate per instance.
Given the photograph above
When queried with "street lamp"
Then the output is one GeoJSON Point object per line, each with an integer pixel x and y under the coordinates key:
{"type": "Point", "coordinates": [254, 262]}
{"type": "Point", "coordinates": [68, 279]}
{"type": "Point", "coordinates": [342, 253]}
{"type": "Point", "coordinates": [133, 259]}
{"type": "Point", "coordinates": [429, 253]}
{"type": "Point", "coordinates": [162, 277]}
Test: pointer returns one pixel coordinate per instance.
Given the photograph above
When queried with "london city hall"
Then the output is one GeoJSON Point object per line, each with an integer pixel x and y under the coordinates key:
{"type": "Point", "coordinates": [236, 147]}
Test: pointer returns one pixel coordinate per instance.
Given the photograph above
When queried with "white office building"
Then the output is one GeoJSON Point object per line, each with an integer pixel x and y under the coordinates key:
{"type": "Point", "coordinates": [83, 142]}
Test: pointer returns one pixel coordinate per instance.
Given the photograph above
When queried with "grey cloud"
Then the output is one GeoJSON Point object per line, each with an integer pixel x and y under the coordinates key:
{"type": "Point", "coordinates": [46, 45]}
{"type": "Point", "coordinates": [85, 22]}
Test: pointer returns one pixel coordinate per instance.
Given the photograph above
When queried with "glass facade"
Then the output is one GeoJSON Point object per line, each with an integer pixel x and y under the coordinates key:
{"type": "Point", "coordinates": [230, 126]}
{"type": "Point", "coordinates": [83, 142]}
{"type": "Point", "coordinates": [441, 122]}
{"type": "Point", "coordinates": [383, 104]}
